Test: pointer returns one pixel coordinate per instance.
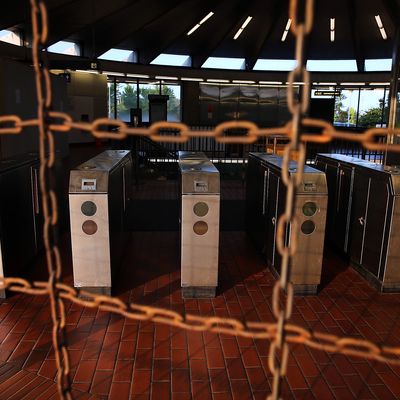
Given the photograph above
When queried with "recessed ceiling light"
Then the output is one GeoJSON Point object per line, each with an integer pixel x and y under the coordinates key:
{"type": "Point", "coordinates": [113, 73]}
{"type": "Point", "coordinates": [270, 83]}
{"type": "Point", "coordinates": [197, 26]}
{"type": "Point", "coordinates": [192, 79]}
{"type": "Point", "coordinates": [381, 27]}
{"type": "Point", "coordinates": [243, 81]}
{"type": "Point", "coordinates": [285, 32]}
{"type": "Point", "coordinates": [138, 76]}
{"type": "Point", "coordinates": [218, 80]}
{"type": "Point", "coordinates": [170, 78]}
{"type": "Point", "coordinates": [332, 29]}
{"type": "Point", "coordinates": [241, 29]}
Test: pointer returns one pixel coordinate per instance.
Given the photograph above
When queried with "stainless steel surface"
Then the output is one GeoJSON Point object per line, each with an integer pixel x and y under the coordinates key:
{"type": "Point", "coordinates": [373, 244]}
{"type": "Point", "coordinates": [98, 235]}
{"type": "Point", "coordinates": [200, 208]}
{"type": "Point", "coordinates": [198, 174]}
{"type": "Point", "coordinates": [265, 203]}
{"type": "Point", "coordinates": [98, 169]}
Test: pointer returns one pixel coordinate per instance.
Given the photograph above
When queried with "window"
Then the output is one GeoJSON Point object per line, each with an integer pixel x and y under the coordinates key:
{"type": "Point", "coordinates": [383, 64]}
{"type": "Point", "coordinates": [173, 59]}
{"type": "Point", "coordinates": [146, 88]}
{"type": "Point", "coordinates": [274, 65]}
{"type": "Point", "coordinates": [126, 99]}
{"type": "Point", "coordinates": [119, 55]}
{"type": "Point", "coordinates": [371, 108]}
{"type": "Point", "coordinates": [224, 63]}
{"type": "Point", "coordinates": [346, 105]}
{"type": "Point", "coordinates": [174, 102]}
{"type": "Point", "coordinates": [65, 47]}
{"type": "Point", "coordinates": [10, 37]}
{"type": "Point", "coordinates": [332, 65]}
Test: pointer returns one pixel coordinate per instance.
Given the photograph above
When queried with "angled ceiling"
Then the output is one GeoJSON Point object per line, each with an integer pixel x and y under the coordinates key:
{"type": "Point", "coordinates": [151, 27]}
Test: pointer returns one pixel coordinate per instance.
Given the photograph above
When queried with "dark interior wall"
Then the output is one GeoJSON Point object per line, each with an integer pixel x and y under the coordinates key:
{"type": "Point", "coordinates": [87, 95]}
{"type": "Point", "coordinates": [18, 97]}
{"type": "Point", "coordinates": [190, 103]}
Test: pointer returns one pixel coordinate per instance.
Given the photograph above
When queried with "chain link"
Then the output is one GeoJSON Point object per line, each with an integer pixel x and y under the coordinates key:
{"type": "Point", "coordinates": [49, 201]}
{"type": "Point", "coordinates": [281, 333]}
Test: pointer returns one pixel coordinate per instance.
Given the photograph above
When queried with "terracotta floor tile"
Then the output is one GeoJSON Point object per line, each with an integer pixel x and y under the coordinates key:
{"type": "Point", "coordinates": [119, 391]}
{"type": "Point", "coordinates": [85, 371]}
{"type": "Point", "coordinates": [250, 357]}
{"type": "Point", "coordinates": [123, 371]}
{"type": "Point", "coordinates": [141, 382]}
{"type": "Point", "coordinates": [161, 370]}
{"type": "Point", "coordinates": [215, 358]}
{"type": "Point", "coordinates": [198, 370]}
{"type": "Point", "coordinates": [101, 383]}
{"type": "Point", "coordinates": [235, 368]}
{"type": "Point", "coordinates": [160, 390]}
{"type": "Point", "coordinates": [180, 380]}
{"type": "Point", "coordinates": [201, 390]}
{"type": "Point", "coordinates": [241, 390]}
{"type": "Point", "coordinates": [179, 358]}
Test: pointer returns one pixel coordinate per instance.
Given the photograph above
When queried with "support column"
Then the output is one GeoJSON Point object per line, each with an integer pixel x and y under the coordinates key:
{"type": "Point", "coordinates": [394, 158]}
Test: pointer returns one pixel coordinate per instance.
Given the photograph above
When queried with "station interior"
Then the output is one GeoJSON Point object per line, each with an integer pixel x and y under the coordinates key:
{"type": "Point", "coordinates": [200, 199]}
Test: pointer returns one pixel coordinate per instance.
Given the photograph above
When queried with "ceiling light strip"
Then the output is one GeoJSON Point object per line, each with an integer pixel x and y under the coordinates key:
{"type": "Point", "coordinates": [381, 27]}
{"type": "Point", "coordinates": [285, 32]}
{"type": "Point", "coordinates": [332, 29]}
{"type": "Point", "coordinates": [242, 28]}
{"type": "Point", "coordinates": [197, 26]}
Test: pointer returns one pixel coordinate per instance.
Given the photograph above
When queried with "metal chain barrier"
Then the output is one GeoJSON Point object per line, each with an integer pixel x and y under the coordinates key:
{"type": "Point", "coordinates": [281, 333]}
{"type": "Point", "coordinates": [49, 200]}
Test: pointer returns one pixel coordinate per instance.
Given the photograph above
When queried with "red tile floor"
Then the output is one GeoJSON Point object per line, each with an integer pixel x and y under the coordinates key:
{"type": "Point", "coordinates": [115, 358]}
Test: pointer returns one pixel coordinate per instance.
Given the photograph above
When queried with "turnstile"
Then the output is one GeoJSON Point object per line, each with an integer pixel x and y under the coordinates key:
{"type": "Point", "coordinates": [200, 191]}
{"type": "Point", "coordinates": [21, 219]}
{"type": "Point", "coordinates": [265, 203]}
{"type": "Point", "coordinates": [99, 192]}
{"type": "Point", "coordinates": [364, 210]}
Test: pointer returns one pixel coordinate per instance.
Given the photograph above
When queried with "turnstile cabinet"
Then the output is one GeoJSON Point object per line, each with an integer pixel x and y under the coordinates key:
{"type": "Point", "coordinates": [340, 180]}
{"type": "Point", "coordinates": [200, 210]}
{"type": "Point", "coordinates": [266, 198]}
{"type": "Point", "coordinates": [21, 226]}
{"type": "Point", "coordinates": [99, 193]}
{"type": "Point", "coordinates": [372, 200]}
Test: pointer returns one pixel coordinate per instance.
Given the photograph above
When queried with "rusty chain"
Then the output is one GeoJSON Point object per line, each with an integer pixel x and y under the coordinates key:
{"type": "Point", "coordinates": [49, 200]}
{"type": "Point", "coordinates": [281, 333]}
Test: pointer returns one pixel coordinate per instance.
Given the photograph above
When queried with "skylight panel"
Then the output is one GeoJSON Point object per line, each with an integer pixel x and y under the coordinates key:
{"type": "Point", "coordinates": [172, 59]}
{"type": "Point", "coordinates": [65, 47]}
{"type": "Point", "coordinates": [224, 63]}
{"type": "Point", "coordinates": [243, 27]}
{"type": "Point", "coordinates": [10, 37]}
{"type": "Point", "coordinates": [197, 26]}
{"type": "Point", "coordinates": [332, 65]}
{"type": "Point", "coordinates": [382, 64]}
{"type": "Point", "coordinates": [119, 55]}
{"type": "Point", "coordinates": [274, 65]}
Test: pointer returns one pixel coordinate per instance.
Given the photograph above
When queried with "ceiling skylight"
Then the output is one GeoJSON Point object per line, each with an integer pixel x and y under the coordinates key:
{"type": "Point", "coordinates": [197, 26]}
{"type": "Point", "coordinates": [172, 59]}
{"type": "Point", "coordinates": [119, 55]}
{"type": "Point", "coordinates": [243, 27]}
{"type": "Point", "coordinates": [332, 65]}
{"type": "Point", "coordinates": [65, 47]}
{"type": "Point", "coordinates": [274, 65]}
{"type": "Point", "coordinates": [10, 37]}
{"type": "Point", "coordinates": [224, 63]}
{"type": "Point", "coordinates": [382, 64]}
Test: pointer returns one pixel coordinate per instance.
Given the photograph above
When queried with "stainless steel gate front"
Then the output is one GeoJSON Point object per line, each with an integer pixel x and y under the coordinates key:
{"type": "Point", "coordinates": [99, 192]}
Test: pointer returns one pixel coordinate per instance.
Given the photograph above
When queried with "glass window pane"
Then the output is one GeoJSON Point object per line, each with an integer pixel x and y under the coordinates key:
{"type": "Point", "coordinates": [10, 37]}
{"type": "Point", "coordinates": [224, 63]}
{"type": "Point", "coordinates": [65, 47]}
{"type": "Point", "coordinates": [126, 99]}
{"type": "Point", "coordinates": [174, 102]}
{"type": "Point", "coordinates": [172, 59]}
{"type": "Point", "coordinates": [332, 65]}
{"type": "Point", "coordinates": [370, 110]}
{"type": "Point", "coordinates": [119, 55]}
{"type": "Point", "coordinates": [144, 90]}
{"type": "Point", "coordinates": [110, 99]}
{"type": "Point", "coordinates": [383, 64]}
{"type": "Point", "coordinates": [346, 108]}
{"type": "Point", "coordinates": [274, 65]}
